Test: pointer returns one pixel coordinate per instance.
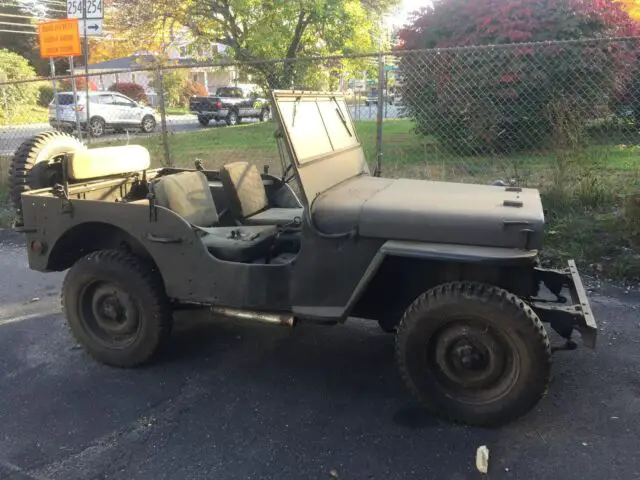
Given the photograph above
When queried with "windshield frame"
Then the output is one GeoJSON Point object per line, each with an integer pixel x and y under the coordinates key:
{"type": "Point", "coordinates": [318, 173]}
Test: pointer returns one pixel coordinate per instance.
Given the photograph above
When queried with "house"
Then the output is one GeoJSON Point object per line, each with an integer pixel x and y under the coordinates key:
{"type": "Point", "coordinates": [183, 52]}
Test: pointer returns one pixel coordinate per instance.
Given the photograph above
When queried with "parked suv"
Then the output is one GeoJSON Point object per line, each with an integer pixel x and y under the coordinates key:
{"type": "Point", "coordinates": [107, 110]}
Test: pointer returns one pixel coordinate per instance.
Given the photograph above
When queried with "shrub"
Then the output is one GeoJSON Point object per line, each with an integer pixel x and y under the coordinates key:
{"type": "Point", "coordinates": [178, 88]}
{"type": "Point", "coordinates": [132, 90]}
{"type": "Point", "coordinates": [15, 67]}
{"type": "Point", "coordinates": [66, 84]}
{"type": "Point", "coordinates": [174, 84]}
{"type": "Point", "coordinates": [45, 95]}
{"type": "Point", "coordinates": [196, 89]}
{"type": "Point", "coordinates": [502, 98]}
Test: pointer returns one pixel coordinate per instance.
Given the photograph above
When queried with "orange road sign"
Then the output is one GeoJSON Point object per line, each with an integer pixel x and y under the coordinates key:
{"type": "Point", "coordinates": [59, 38]}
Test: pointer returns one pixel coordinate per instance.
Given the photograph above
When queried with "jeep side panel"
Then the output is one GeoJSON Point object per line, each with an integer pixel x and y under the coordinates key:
{"type": "Point", "coordinates": [189, 272]}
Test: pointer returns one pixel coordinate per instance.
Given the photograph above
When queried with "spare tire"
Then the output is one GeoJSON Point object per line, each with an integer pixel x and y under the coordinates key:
{"type": "Point", "coordinates": [30, 166]}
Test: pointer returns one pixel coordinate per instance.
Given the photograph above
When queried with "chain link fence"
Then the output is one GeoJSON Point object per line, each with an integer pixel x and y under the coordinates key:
{"type": "Point", "coordinates": [561, 116]}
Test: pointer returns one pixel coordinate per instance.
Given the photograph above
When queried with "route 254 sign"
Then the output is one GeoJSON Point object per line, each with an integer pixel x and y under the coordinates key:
{"type": "Point", "coordinates": [95, 9]}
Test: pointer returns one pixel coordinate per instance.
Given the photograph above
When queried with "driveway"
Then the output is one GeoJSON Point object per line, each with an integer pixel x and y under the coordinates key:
{"type": "Point", "coordinates": [245, 401]}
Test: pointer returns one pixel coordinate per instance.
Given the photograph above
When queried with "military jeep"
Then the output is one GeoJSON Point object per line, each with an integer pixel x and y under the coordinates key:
{"type": "Point", "coordinates": [451, 269]}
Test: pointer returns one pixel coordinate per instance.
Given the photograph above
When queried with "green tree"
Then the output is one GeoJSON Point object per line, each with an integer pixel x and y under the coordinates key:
{"type": "Point", "coordinates": [12, 97]}
{"type": "Point", "coordinates": [21, 43]}
{"type": "Point", "coordinates": [262, 30]}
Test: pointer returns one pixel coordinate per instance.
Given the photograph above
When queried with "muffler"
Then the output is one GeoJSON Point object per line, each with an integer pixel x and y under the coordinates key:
{"type": "Point", "coordinates": [284, 319]}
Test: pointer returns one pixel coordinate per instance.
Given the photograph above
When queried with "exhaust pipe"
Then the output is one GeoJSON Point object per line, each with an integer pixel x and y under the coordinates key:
{"type": "Point", "coordinates": [283, 319]}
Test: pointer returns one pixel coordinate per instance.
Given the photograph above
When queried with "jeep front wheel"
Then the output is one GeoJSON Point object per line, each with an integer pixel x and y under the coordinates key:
{"type": "Point", "coordinates": [473, 353]}
{"type": "Point", "coordinates": [116, 307]}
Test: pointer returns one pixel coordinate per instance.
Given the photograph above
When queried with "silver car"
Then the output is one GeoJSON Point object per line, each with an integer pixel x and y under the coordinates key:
{"type": "Point", "coordinates": [107, 110]}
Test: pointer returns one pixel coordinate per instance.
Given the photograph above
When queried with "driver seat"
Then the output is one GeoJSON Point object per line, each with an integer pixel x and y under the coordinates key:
{"type": "Point", "coordinates": [188, 194]}
{"type": "Point", "coordinates": [247, 197]}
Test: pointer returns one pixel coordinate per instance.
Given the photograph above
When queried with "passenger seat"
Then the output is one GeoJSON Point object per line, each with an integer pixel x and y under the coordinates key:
{"type": "Point", "coordinates": [248, 199]}
{"type": "Point", "coordinates": [188, 195]}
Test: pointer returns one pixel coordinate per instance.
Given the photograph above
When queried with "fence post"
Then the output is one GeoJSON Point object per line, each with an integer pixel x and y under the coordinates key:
{"type": "Point", "coordinates": [75, 99]}
{"type": "Point", "coordinates": [379, 119]}
{"type": "Point", "coordinates": [163, 118]}
{"type": "Point", "coordinates": [52, 66]}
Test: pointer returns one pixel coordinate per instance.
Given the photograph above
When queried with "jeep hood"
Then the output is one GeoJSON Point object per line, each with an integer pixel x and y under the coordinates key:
{"type": "Point", "coordinates": [438, 212]}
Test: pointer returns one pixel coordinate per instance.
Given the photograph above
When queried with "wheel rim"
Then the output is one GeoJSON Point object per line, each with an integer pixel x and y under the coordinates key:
{"type": "Point", "coordinates": [148, 124]}
{"type": "Point", "coordinates": [233, 119]}
{"type": "Point", "coordinates": [109, 314]}
{"type": "Point", "coordinates": [472, 361]}
{"type": "Point", "coordinates": [96, 128]}
{"type": "Point", "coordinates": [266, 115]}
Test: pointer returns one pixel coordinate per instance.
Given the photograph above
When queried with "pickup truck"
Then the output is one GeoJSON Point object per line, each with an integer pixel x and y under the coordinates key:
{"type": "Point", "coordinates": [231, 105]}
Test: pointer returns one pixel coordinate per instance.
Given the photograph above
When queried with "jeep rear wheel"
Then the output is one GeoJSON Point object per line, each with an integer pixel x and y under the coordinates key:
{"type": "Point", "coordinates": [204, 121]}
{"type": "Point", "coordinates": [116, 307]}
{"type": "Point", "coordinates": [473, 353]}
{"type": "Point", "coordinates": [36, 163]}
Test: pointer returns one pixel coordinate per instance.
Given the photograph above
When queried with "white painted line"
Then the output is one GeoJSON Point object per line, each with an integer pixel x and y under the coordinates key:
{"type": "Point", "coordinates": [16, 469]}
{"type": "Point", "coordinates": [29, 316]}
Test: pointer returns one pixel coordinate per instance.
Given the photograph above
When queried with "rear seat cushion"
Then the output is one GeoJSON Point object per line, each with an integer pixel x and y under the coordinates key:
{"type": "Point", "coordinates": [188, 195]}
{"type": "Point", "coordinates": [239, 244]}
{"type": "Point", "coordinates": [244, 188]}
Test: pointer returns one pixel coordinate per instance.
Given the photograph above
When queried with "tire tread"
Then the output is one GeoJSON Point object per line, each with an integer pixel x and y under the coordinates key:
{"type": "Point", "coordinates": [527, 318]}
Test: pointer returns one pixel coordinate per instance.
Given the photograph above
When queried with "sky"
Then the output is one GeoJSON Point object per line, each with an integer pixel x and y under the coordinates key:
{"type": "Point", "coordinates": [405, 8]}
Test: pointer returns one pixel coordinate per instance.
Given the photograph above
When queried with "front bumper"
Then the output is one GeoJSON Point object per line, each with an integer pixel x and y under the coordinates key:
{"type": "Point", "coordinates": [570, 310]}
{"type": "Point", "coordinates": [64, 124]}
{"type": "Point", "coordinates": [218, 114]}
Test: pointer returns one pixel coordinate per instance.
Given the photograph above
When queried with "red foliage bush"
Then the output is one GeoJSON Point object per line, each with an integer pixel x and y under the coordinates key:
{"type": "Point", "coordinates": [197, 89]}
{"type": "Point", "coordinates": [502, 98]}
{"type": "Point", "coordinates": [132, 90]}
{"type": "Point", "coordinates": [66, 84]}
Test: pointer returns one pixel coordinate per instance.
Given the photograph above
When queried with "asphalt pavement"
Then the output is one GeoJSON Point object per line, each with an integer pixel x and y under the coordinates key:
{"type": "Point", "coordinates": [244, 401]}
{"type": "Point", "coordinates": [12, 136]}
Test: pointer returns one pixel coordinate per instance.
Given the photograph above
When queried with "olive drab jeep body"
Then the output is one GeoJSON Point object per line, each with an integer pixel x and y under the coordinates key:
{"type": "Point", "coordinates": [451, 269]}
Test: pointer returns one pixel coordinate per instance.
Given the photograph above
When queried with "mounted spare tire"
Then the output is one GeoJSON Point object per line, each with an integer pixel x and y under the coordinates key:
{"type": "Point", "coordinates": [34, 163]}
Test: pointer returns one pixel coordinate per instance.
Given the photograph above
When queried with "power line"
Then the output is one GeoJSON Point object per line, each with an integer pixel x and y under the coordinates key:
{"type": "Point", "coordinates": [27, 6]}
{"type": "Point", "coordinates": [18, 24]}
{"type": "Point", "coordinates": [31, 17]}
{"type": "Point", "coordinates": [15, 31]}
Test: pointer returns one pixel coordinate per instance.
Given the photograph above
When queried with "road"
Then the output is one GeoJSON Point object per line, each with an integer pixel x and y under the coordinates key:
{"type": "Point", "coordinates": [11, 137]}
{"type": "Point", "coordinates": [243, 401]}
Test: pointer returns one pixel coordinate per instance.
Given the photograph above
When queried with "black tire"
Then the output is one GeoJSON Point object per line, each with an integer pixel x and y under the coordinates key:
{"type": "Point", "coordinates": [31, 164]}
{"type": "Point", "coordinates": [232, 118]}
{"type": "Point", "coordinates": [204, 121]}
{"type": "Point", "coordinates": [451, 332]}
{"type": "Point", "coordinates": [116, 308]}
{"type": "Point", "coordinates": [148, 124]}
{"type": "Point", "coordinates": [97, 127]}
{"type": "Point", "coordinates": [265, 115]}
